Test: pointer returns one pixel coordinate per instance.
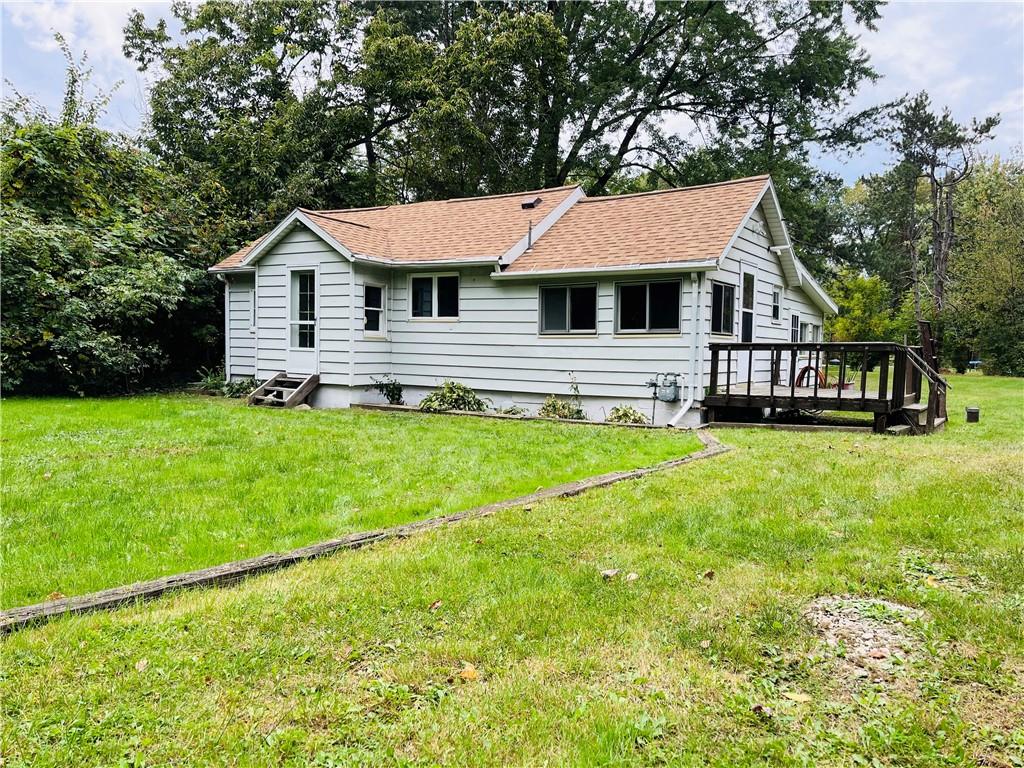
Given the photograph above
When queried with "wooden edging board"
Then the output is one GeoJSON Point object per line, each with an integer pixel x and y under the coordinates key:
{"type": "Point", "coordinates": [231, 573]}
{"type": "Point", "coordinates": [489, 415]}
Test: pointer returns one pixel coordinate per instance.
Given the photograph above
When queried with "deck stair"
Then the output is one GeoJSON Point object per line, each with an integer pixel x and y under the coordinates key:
{"type": "Point", "coordinates": [283, 390]}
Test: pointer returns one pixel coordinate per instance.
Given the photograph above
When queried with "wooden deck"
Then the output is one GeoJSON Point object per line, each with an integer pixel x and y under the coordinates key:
{"type": "Point", "coordinates": [828, 377]}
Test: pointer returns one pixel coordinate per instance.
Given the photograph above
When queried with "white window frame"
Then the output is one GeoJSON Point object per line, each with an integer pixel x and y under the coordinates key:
{"type": "Point", "coordinates": [433, 296]}
{"type": "Point", "coordinates": [568, 309]}
{"type": "Point", "coordinates": [382, 332]}
{"type": "Point", "coordinates": [648, 331]}
{"type": "Point", "coordinates": [776, 305]}
{"type": "Point", "coordinates": [252, 309]}
{"type": "Point", "coordinates": [711, 318]}
{"type": "Point", "coordinates": [794, 327]}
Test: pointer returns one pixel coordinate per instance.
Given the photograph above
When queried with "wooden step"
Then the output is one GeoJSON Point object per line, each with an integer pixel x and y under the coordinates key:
{"type": "Point", "coordinates": [898, 429]}
{"type": "Point", "coordinates": [940, 424]}
{"type": "Point", "coordinates": [283, 390]}
{"type": "Point", "coordinates": [917, 413]}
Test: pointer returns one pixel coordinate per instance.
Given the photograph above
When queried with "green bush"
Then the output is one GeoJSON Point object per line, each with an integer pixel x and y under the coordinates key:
{"type": "Point", "coordinates": [452, 396]}
{"type": "Point", "coordinates": [389, 388]}
{"type": "Point", "coordinates": [239, 387]}
{"type": "Point", "coordinates": [556, 408]}
{"type": "Point", "coordinates": [626, 414]}
{"type": "Point", "coordinates": [512, 410]}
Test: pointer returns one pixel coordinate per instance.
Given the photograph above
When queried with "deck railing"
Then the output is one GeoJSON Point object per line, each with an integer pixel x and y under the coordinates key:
{"type": "Point", "coordinates": [823, 376]}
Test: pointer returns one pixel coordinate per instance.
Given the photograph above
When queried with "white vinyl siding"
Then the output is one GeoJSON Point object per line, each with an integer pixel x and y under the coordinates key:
{"type": "Point", "coordinates": [241, 335]}
{"type": "Point", "coordinates": [752, 252]}
{"type": "Point", "coordinates": [298, 249]}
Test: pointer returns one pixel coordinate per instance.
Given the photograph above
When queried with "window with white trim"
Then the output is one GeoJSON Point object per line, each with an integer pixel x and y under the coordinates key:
{"type": "Point", "coordinates": [794, 328]}
{"type": "Point", "coordinates": [648, 307]}
{"type": "Point", "coordinates": [434, 296]}
{"type": "Point", "coordinates": [568, 309]}
{"type": "Point", "coordinates": [373, 309]}
{"type": "Point", "coordinates": [776, 303]}
{"type": "Point", "coordinates": [723, 308]}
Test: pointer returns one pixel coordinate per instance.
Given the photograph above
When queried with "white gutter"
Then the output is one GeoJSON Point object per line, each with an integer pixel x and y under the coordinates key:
{"type": "Point", "coordinates": [630, 269]}
{"type": "Point", "coordinates": [475, 261]}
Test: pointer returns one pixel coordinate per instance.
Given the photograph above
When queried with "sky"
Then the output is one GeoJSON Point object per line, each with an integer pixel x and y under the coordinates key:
{"type": "Point", "coordinates": [968, 55]}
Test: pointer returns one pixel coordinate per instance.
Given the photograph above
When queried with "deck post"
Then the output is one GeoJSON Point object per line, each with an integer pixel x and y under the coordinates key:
{"type": "Point", "coordinates": [883, 376]}
{"type": "Point", "coordinates": [713, 388]}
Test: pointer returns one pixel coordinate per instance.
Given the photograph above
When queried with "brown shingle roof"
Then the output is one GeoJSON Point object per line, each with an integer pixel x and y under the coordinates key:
{"type": "Point", "coordinates": [463, 228]}
{"type": "Point", "coordinates": [675, 225]}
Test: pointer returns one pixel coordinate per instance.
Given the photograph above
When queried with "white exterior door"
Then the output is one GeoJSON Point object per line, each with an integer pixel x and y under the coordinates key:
{"type": "Point", "coordinates": [303, 305]}
{"type": "Point", "coordinates": [748, 319]}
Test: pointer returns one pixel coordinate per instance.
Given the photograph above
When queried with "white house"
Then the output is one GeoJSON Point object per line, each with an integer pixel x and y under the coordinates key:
{"type": "Point", "coordinates": [514, 294]}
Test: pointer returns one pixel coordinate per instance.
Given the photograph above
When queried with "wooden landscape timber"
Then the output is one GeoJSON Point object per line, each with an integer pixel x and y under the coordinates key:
{"type": "Point", "coordinates": [231, 573]}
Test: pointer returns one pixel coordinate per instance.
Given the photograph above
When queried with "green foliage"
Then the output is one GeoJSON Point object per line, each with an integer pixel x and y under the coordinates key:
{"type": "Point", "coordinates": [626, 414]}
{"type": "Point", "coordinates": [210, 379]}
{"type": "Point", "coordinates": [985, 318]}
{"type": "Point", "coordinates": [864, 303]}
{"type": "Point", "coordinates": [512, 410]}
{"type": "Point", "coordinates": [555, 408]}
{"type": "Point", "coordinates": [389, 388]}
{"type": "Point", "coordinates": [102, 287]}
{"type": "Point", "coordinates": [237, 388]}
{"type": "Point", "coordinates": [453, 396]}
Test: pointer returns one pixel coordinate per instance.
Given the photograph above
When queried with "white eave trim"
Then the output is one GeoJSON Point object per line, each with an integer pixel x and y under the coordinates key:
{"type": "Point", "coordinates": [282, 229]}
{"type": "Point", "coordinates": [474, 261]}
{"type": "Point", "coordinates": [630, 269]}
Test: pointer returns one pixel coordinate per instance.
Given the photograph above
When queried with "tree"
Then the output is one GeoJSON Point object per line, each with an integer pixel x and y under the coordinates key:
{"type": "Point", "coordinates": [865, 311]}
{"type": "Point", "coordinates": [985, 309]}
{"type": "Point", "coordinates": [331, 104]}
{"type": "Point", "coordinates": [102, 286]}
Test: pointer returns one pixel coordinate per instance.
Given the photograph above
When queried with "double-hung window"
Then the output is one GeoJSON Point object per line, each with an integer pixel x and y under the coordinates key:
{"type": "Point", "coordinates": [794, 328]}
{"type": "Point", "coordinates": [568, 309]}
{"type": "Point", "coordinates": [373, 309]}
{"type": "Point", "coordinates": [648, 307]}
{"type": "Point", "coordinates": [434, 296]}
{"type": "Point", "coordinates": [776, 304]}
{"type": "Point", "coordinates": [723, 308]}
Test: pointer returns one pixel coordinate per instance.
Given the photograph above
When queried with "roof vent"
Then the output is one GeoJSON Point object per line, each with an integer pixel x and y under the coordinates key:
{"type": "Point", "coordinates": [530, 202]}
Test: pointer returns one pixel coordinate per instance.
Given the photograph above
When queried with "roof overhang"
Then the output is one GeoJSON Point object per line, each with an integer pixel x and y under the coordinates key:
{"type": "Point", "coordinates": [613, 271]}
{"type": "Point", "coordinates": [795, 273]}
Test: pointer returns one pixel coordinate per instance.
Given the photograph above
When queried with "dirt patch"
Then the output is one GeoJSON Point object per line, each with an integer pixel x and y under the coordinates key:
{"type": "Point", "coordinates": [871, 637]}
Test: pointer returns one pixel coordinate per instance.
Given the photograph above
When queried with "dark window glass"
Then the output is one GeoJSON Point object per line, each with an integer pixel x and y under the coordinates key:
{"type": "Point", "coordinates": [554, 308]}
{"type": "Point", "coordinates": [583, 308]}
{"type": "Point", "coordinates": [747, 327]}
{"type": "Point", "coordinates": [307, 296]}
{"type": "Point", "coordinates": [633, 307]}
{"type": "Point", "coordinates": [794, 328]}
{"type": "Point", "coordinates": [373, 305]}
{"type": "Point", "coordinates": [664, 300]}
{"type": "Point", "coordinates": [748, 290]}
{"type": "Point", "coordinates": [448, 296]}
{"type": "Point", "coordinates": [423, 297]}
{"type": "Point", "coordinates": [307, 337]}
{"type": "Point", "coordinates": [776, 306]}
{"type": "Point", "coordinates": [722, 298]}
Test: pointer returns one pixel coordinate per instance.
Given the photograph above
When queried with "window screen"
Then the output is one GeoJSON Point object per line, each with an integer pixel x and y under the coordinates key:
{"type": "Point", "coordinates": [776, 304]}
{"type": "Point", "coordinates": [423, 297]}
{"type": "Point", "coordinates": [663, 303]}
{"type": "Point", "coordinates": [723, 298]}
{"type": "Point", "coordinates": [794, 328]}
{"type": "Point", "coordinates": [633, 307]}
{"type": "Point", "coordinates": [568, 309]}
{"type": "Point", "coordinates": [748, 290]}
{"type": "Point", "coordinates": [448, 296]}
{"type": "Point", "coordinates": [373, 308]}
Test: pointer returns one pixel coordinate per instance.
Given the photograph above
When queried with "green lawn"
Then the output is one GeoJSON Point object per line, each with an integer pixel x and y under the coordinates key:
{"type": "Point", "coordinates": [704, 658]}
{"type": "Point", "coordinates": [103, 492]}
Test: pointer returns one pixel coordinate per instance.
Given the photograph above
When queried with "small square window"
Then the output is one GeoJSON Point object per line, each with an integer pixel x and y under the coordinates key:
{"type": "Point", "coordinates": [434, 296]}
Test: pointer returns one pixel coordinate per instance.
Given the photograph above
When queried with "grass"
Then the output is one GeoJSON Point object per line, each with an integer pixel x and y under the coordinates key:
{"type": "Point", "coordinates": [103, 492]}
{"type": "Point", "coordinates": [364, 658]}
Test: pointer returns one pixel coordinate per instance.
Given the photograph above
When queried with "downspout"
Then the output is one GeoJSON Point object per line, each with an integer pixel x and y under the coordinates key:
{"type": "Point", "coordinates": [695, 349]}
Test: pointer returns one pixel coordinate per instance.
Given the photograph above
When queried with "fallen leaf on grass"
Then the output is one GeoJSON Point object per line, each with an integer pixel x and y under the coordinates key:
{"type": "Point", "coordinates": [469, 673]}
{"type": "Point", "coordinates": [762, 710]}
{"type": "Point", "coordinates": [435, 605]}
{"type": "Point", "coordinates": [141, 664]}
{"type": "Point", "coordinates": [632, 576]}
{"type": "Point", "coordinates": [47, 475]}
{"type": "Point", "coordinates": [803, 698]}
{"type": "Point", "coordinates": [611, 573]}
{"type": "Point", "coordinates": [931, 581]}
{"type": "Point", "coordinates": [55, 596]}
{"type": "Point", "coordinates": [705, 644]}
{"type": "Point", "coordinates": [708, 575]}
